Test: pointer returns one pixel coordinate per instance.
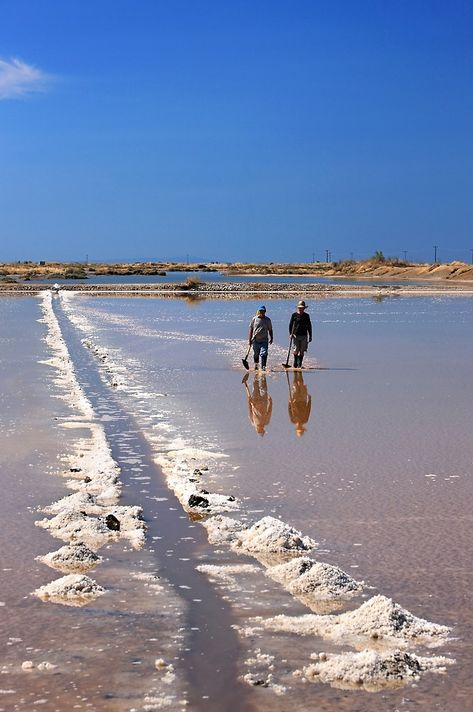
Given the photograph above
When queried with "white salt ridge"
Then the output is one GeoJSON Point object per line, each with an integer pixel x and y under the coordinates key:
{"type": "Point", "coordinates": [95, 463]}
{"type": "Point", "coordinates": [372, 670]}
{"type": "Point", "coordinates": [61, 360]}
{"type": "Point", "coordinates": [304, 576]}
{"type": "Point", "coordinates": [71, 590]}
{"type": "Point", "coordinates": [72, 558]}
{"type": "Point", "coordinates": [379, 618]}
{"type": "Point", "coordinates": [271, 536]}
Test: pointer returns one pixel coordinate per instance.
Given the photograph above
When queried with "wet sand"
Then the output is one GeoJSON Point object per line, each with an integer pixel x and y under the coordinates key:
{"type": "Point", "coordinates": [382, 483]}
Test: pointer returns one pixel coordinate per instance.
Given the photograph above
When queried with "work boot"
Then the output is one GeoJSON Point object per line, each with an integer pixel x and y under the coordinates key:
{"type": "Point", "coordinates": [296, 358]}
{"type": "Point", "coordinates": [256, 365]}
{"type": "Point", "coordinates": [301, 358]}
{"type": "Point", "coordinates": [263, 363]}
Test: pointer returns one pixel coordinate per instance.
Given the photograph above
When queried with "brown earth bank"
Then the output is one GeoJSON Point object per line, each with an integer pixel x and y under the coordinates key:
{"type": "Point", "coordinates": [378, 267]}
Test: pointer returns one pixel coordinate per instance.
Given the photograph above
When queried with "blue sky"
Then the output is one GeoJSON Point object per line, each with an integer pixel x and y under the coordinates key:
{"type": "Point", "coordinates": [251, 130]}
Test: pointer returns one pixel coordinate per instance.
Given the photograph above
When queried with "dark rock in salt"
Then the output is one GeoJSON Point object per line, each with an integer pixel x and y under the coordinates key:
{"type": "Point", "coordinates": [75, 469]}
{"type": "Point", "coordinates": [112, 522]}
{"type": "Point", "coordinates": [231, 498]}
{"type": "Point", "coordinates": [87, 479]}
{"type": "Point", "coordinates": [202, 491]}
{"type": "Point", "coordinates": [196, 500]}
{"type": "Point", "coordinates": [197, 472]}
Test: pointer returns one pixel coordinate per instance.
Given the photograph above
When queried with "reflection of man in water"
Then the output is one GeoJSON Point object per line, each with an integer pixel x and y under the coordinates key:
{"type": "Point", "coordinates": [260, 403]}
{"type": "Point", "coordinates": [299, 403]}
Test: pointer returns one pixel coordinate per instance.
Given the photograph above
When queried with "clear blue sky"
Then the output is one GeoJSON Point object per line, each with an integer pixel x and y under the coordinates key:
{"type": "Point", "coordinates": [260, 130]}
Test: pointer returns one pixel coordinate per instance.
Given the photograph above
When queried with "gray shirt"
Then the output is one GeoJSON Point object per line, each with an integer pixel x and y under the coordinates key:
{"type": "Point", "coordinates": [261, 328]}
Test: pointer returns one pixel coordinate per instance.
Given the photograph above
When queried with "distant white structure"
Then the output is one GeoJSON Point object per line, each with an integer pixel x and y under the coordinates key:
{"type": "Point", "coordinates": [56, 287]}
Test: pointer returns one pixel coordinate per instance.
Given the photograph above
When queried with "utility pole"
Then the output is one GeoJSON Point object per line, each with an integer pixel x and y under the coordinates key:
{"type": "Point", "coordinates": [435, 254]}
{"type": "Point", "coordinates": [404, 252]}
{"type": "Point", "coordinates": [87, 259]}
{"type": "Point", "coordinates": [313, 257]}
{"type": "Point", "coordinates": [187, 259]}
{"type": "Point", "coordinates": [327, 253]}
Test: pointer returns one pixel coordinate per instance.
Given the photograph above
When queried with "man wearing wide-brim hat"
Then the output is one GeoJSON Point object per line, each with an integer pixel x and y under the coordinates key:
{"type": "Point", "coordinates": [300, 329]}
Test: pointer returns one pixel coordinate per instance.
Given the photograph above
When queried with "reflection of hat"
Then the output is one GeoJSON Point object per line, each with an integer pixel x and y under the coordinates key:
{"type": "Point", "coordinates": [263, 308]}
{"type": "Point", "coordinates": [301, 304]}
{"type": "Point", "coordinates": [300, 431]}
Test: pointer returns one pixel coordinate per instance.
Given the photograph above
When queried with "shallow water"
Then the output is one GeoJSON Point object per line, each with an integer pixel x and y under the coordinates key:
{"type": "Point", "coordinates": [379, 473]}
{"type": "Point", "coordinates": [220, 277]}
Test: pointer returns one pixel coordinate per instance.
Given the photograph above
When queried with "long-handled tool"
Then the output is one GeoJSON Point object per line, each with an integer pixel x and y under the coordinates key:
{"type": "Point", "coordinates": [286, 365]}
{"type": "Point", "coordinates": [245, 360]}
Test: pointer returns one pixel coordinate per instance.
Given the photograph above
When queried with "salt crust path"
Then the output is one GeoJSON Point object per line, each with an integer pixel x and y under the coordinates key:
{"type": "Point", "coordinates": [91, 517]}
{"type": "Point", "coordinates": [273, 542]}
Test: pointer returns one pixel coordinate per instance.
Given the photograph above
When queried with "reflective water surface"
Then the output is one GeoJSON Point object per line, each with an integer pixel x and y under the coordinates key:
{"type": "Point", "coordinates": [368, 451]}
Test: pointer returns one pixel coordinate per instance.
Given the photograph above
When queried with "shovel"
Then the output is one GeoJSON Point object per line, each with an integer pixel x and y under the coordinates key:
{"type": "Point", "coordinates": [286, 365]}
{"type": "Point", "coordinates": [245, 360]}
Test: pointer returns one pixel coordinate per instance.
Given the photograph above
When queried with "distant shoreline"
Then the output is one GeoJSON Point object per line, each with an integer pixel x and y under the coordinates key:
{"type": "Point", "coordinates": [379, 268]}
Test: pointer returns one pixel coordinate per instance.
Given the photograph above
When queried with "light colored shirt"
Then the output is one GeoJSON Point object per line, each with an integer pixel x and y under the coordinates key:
{"type": "Point", "coordinates": [261, 328]}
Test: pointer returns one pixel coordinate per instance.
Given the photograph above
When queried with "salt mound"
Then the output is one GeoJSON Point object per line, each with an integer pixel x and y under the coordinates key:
{"type": "Point", "coordinates": [72, 590]}
{"type": "Point", "coordinates": [76, 526]}
{"type": "Point", "coordinates": [372, 670]}
{"type": "Point", "coordinates": [222, 529]}
{"type": "Point", "coordinates": [72, 558]}
{"type": "Point", "coordinates": [379, 618]}
{"type": "Point", "coordinates": [305, 576]}
{"type": "Point", "coordinates": [270, 535]}
{"type": "Point", "coordinates": [72, 525]}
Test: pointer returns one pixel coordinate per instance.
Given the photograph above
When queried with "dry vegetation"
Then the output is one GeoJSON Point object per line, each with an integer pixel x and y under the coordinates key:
{"type": "Point", "coordinates": [377, 266]}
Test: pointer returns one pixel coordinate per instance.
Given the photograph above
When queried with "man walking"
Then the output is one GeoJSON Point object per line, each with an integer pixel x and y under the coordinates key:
{"type": "Point", "coordinates": [300, 328]}
{"type": "Point", "coordinates": [260, 334]}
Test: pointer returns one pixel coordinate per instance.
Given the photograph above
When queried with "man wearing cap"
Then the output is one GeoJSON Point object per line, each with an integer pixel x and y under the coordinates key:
{"type": "Point", "coordinates": [260, 334]}
{"type": "Point", "coordinates": [300, 329]}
